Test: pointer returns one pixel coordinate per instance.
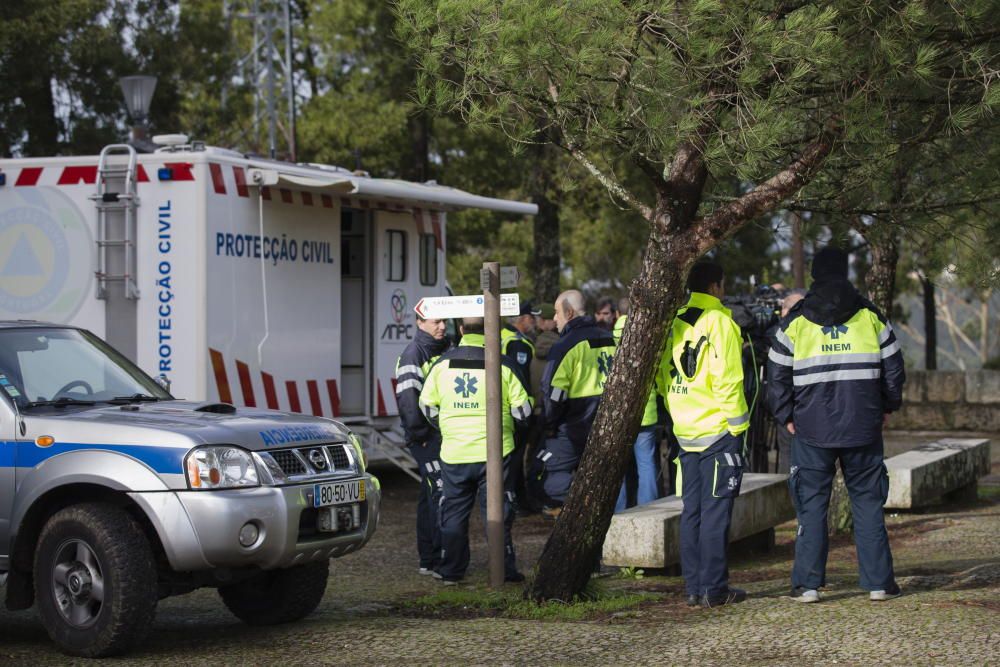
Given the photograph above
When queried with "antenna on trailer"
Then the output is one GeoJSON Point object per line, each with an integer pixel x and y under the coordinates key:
{"type": "Point", "coordinates": [268, 68]}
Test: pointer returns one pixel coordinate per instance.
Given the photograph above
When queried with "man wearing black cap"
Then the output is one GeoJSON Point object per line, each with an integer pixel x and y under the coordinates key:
{"type": "Point", "coordinates": [835, 371]}
{"type": "Point", "coordinates": [515, 338]}
{"type": "Point", "coordinates": [516, 345]}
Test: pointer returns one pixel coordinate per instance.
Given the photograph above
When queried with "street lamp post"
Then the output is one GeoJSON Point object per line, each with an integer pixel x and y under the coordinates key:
{"type": "Point", "coordinates": [138, 91]}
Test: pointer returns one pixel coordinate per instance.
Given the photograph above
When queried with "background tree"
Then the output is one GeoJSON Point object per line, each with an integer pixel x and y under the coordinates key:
{"type": "Point", "coordinates": [60, 61]}
{"type": "Point", "coordinates": [693, 94]}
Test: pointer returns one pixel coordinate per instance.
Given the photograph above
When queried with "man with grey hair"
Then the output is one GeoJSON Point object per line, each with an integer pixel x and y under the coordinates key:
{"type": "Point", "coordinates": [572, 386]}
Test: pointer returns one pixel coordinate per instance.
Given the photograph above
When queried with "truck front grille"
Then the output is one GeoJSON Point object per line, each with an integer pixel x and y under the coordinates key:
{"type": "Point", "coordinates": [338, 455]}
{"type": "Point", "coordinates": [315, 460]}
{"type": "Point", "coordinates": [289, 463]}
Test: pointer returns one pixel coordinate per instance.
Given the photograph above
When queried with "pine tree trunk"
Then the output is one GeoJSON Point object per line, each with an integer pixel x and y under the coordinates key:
{"type": "Point", "coordinates": [567, 562]}
{"type": "Point", "coordinates": [798, 253]}
{"type": "Point", "coordinates": [881, 279]}
{"type": "Point", "coordinates": [547, 247]}
{"type": "Point", "coordinates": [42, 127]}
{"type": "Point", "coordinates": [574, 547]}
{"type": "Point", "coordinates": [930, 325]}
{"type": "Point", "coordinates": [419, 127]}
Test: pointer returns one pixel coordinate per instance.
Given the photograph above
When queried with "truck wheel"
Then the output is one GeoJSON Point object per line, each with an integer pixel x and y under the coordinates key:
{"type": "Point", "coordinates": [95, 580]}
{"type": "Point", "coordinates": [278, 596]}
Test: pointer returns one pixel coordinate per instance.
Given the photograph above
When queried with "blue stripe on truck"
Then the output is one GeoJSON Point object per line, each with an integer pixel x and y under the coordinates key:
{"type": "Point", "coordinates": [26, 454]}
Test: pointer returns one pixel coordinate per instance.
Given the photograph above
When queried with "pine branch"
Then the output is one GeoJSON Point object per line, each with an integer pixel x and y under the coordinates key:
{"type": "Point", "coordinates": [607, 180]}
{"type": "Point", "coordinates": [725, 219]}
{"type": "Point", "coordinates": [876, 211]}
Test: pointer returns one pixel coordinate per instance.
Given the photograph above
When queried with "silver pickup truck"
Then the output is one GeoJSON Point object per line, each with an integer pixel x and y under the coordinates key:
{"type": "Point", "coordinates": [114, 495]}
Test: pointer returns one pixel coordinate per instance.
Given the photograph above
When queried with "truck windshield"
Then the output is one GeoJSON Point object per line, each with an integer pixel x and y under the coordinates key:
{"type": "Point", "coordinates": [64, 367]}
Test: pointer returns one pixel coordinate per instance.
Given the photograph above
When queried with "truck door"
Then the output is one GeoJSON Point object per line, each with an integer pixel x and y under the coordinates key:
{"type": "Point", "coordinates": [355, 317]}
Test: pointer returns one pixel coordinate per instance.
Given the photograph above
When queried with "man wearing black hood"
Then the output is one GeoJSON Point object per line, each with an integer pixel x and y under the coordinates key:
{"type": "Point", "coordinates": [423, 440]}
{"type": "Point", "coordinates": [835, 370]}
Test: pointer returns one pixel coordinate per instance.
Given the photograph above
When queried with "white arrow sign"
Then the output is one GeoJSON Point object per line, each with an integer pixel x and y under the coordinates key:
{"type": "Point", "coordinates": [509, 277]}
{"type": "Point", "coordinates": [471, 305]}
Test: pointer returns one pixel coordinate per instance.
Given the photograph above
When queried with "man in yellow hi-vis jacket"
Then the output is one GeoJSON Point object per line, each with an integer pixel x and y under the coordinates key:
{"type": "Point", "coordinates": [701, 380]}
{"type": "Point", "coordinates": [453, 399]}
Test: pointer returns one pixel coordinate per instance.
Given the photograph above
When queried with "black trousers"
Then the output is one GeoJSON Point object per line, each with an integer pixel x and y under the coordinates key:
{"type": "Point", "coordinates": [710, 482]}
{"type": "Point", "coordinates": [428, 528]}
{"type": "Point", "coordinates": [462, 482]}
{"type": "Point", "coordinates": [867, 484]}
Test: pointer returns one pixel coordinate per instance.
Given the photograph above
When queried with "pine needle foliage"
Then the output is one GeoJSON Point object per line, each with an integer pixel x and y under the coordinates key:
{"type": "Point", "coordinates": [753, 81]}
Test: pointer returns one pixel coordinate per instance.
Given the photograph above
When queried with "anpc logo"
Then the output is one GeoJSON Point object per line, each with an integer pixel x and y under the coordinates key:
{"type": "Point", "coordinates": [465, 385]}
{"type": "Point", "coordinates": [398, 304]}
{"type": "Point", "coordinates": [835, 331]}
{"type": "Point", "coordinates": [398, 330]}
{"type": "Point", "coordinates": [45, 253]}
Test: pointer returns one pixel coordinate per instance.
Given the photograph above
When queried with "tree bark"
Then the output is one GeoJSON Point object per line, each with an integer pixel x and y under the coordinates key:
{"type": "Point", "coordinates": [881, 279]}
{"type": "Point", "coordinates": [546, 261]}
{"type": "Point", "coordinates": [930, 325]}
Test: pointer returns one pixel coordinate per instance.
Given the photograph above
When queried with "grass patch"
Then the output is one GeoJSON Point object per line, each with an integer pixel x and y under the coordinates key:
{"type": "Point", "coordinates": [595, 602]}
{"type": "Point", "coordinates": [989, 492]}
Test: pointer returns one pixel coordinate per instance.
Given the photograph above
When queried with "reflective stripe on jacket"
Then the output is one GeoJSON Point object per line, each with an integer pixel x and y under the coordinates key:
{"type": "Point", "coordinates": [835, 381]}
{"type": "Point", "coordinates": [573, 381]}
{"type": "Point", "coordinates": [411, 369]}
{"type": "Point", "coordinates": [454, 399]}
{"type": "Point", "coordinates": [649, 414]}
{"type": "Point", "coordinates": [708, 403]}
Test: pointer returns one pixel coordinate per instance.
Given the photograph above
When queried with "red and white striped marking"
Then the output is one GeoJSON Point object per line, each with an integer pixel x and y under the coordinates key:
{"type": "Point", "coordinates": [235, 383]}
{"type": "Point", "coordinates": [86, 174]}
{"type": "Point", "coordinates": [228, 179]}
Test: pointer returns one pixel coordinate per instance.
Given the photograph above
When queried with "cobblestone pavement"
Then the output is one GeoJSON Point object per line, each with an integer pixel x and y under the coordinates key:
{"type": "Point", "coordinates": [947, 561]}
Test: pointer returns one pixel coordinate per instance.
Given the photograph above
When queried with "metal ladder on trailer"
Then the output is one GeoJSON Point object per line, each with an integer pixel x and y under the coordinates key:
{"type": "Point", "coordinates": [117, 203]}
{"type": "Point", "coordinates": [387, 445]}
{"type": "Point", "coordinates": [111, 202]}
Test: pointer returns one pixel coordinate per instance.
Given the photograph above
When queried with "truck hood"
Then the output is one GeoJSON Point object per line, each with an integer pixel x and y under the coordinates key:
{"type": "Point", "coordinates": [184, 423]}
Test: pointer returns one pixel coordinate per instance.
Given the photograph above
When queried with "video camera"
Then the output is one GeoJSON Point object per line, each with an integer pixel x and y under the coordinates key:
{"type": "Point", "coordinates": [756, 313]}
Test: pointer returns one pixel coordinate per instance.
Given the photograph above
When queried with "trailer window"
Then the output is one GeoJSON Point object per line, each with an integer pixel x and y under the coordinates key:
{"type": "Point", "coordinates": [395, 255]}
{"type": "Point", "coordinates": [428, 260]}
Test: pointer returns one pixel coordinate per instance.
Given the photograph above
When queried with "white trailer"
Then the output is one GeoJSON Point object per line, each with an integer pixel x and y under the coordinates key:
{"type": "Point", "coordinates": [238, 279]}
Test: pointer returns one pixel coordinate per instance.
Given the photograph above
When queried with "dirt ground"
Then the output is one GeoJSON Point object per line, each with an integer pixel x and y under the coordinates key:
{"type": "Point", "coordinates": [947, 561]}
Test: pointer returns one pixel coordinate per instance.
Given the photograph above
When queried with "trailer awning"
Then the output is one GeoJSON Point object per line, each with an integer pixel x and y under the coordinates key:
{"type": "Point", "coordinates": [438, 196]}
{"type": "Point", "coordinates": [427, 195]}
{"type": "Point", "coordinates": [332, 184]}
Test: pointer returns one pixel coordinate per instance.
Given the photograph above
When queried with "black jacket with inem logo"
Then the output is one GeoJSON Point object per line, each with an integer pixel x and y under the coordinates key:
{"type": "Point", "coordinates": [835, 368]}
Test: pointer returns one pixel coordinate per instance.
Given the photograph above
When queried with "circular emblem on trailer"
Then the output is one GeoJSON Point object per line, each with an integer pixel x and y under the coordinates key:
{"type": "Point", "coordinates": [398, 303]}
{"type": "Point", "coordinates": [45, 255]}
{"type": "Point", "coordinates": [317, 459]}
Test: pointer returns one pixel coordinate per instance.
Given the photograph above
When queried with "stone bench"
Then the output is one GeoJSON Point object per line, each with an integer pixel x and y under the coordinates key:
{"type": "Point", "coordinates": [949, 467]}
{"type": "Point", "coordinates": [649, 535]}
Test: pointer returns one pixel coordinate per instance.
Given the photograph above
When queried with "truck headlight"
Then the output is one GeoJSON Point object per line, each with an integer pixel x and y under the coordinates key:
{"type": "Point", "coordinates": [220, 467]}
{"type": "Point", "coordinates": [359, 451]}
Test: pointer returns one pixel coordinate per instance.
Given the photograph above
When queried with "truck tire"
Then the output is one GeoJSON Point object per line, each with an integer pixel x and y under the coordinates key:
{"type": "Point", "coordinates": [278, 596]}
{"type": "Point", "coordinates": [95, 580]}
